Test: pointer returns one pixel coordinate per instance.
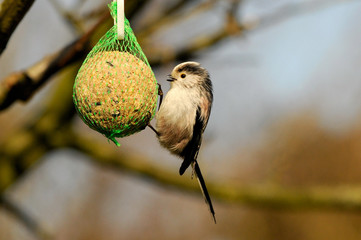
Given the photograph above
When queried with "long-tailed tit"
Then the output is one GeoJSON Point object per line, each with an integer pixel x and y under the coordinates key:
{"type": "Point", "coordinates": [183, 117]}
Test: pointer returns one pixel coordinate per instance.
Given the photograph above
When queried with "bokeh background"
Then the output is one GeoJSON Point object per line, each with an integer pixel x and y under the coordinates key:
{"type": "Point", "coordinates": [286, 115]}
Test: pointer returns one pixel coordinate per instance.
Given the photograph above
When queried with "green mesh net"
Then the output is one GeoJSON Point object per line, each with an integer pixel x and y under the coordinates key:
{"type": "Point", "coordinates": [115, 91]}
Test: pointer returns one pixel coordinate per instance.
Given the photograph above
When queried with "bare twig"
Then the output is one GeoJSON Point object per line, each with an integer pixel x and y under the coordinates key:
{"type": "Point", "coordinates": [288, 11]}
{"type": "Point", "coordinates": [11, 13]}
{"type": "Point", "coordinates": [95, 13]}
{"type": "Point", "coordinates": [22, 85]}
{"type": "Point", "coordinates": [264, 196]}
{"type": "Point", "coordinates": [53, 130]}
{"type": "Point", "coordinates": [25, 147]}
{"type": "Point", "coordinates": [23, 217]}
{"type": "Point", "coordinates": [231, 27]}
{"type": "Point", "coordinates": [70, 18]}
{"type": "Point", "coordinates": [56, 135]}
{"type": "Point", "coordinates": [172, 17]}
{"type": "Point", "coordinates": [132, 7]}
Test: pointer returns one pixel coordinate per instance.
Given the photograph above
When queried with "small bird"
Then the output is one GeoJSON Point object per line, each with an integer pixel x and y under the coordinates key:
{"type": "Point", "coordinates": [183, 117]}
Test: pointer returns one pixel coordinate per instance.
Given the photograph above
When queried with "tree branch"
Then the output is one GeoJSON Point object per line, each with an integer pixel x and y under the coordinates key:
{"type": "Point", "coordinates": [344, 198]}
{"type": "Point", "coordinates": [53, 130]}
{"type": "Point", "coordinates": [231, 27]}
{"type": "Point", "coordinates": [70, 18]}
{"type": "Point", "coordinates": [25, 147]}
{"type": "Point", "coordinates": [158, 56]}
{"type": "Point", "coordinates": [171, 17]}
{"type": "Point", "coordinates": [11, 13]}
{"type": "Point", "coordinates": [24, 218]}
{"type": "Point", "coordinates": [22, 85]}
{"type": "Point", "coordinates": [289, 10]}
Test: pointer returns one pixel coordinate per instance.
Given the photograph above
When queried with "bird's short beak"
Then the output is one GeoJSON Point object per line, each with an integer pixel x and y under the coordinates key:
{"type": "Point", "coordinates": [170, 78]}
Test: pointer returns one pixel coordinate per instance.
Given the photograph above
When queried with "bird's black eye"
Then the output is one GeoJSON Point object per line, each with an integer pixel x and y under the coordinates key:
{"type": "Point", "coordinates": [183, 75]}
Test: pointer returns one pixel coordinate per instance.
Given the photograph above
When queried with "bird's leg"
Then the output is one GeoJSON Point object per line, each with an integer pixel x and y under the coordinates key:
{"type": "Point", "coordinates": [151, 127]}
{"type": "Point", "coordinates": [160, 93]}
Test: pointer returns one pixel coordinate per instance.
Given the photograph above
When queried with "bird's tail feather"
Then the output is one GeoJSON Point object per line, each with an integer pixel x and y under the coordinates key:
{"type": "Point", "coordinates": [203, 186]}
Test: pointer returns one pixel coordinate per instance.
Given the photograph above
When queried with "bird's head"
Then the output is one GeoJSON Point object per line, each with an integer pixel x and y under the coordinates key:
{"type": "Point", "coordinates": [188, 75]}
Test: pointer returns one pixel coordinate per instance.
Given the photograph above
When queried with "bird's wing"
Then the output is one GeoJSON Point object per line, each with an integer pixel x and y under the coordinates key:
{"type": "Point", "coordinates": [190, 157]}
{"type": "Point", "coordinates": [190, 152]}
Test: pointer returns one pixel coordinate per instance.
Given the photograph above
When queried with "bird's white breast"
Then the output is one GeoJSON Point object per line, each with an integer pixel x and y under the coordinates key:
{"type": "Point", "coordinates": [176, 118]}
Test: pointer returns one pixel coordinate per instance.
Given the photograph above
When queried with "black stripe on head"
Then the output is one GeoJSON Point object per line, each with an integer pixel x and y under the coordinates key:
{"type": "Point", "coordinates": [194, 69]}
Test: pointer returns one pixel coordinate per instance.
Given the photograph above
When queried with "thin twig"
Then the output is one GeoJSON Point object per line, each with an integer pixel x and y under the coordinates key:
{"type": "Point", "coordinates": [171, 17]}
{"type": "Point", "coordinates": [287, 11]}
{"type": "Point", "coordinates": [345, 198]}
{"type": "Point", "coordinates": [70, 18]}
{"type": "Point", "coordinates": [22, 85]}
{"type": "Point", "coordinates": [23, 217]}
{"type": "Point", "coordinates": [11, 14]}
{"type": "Point", "coordinates": [341, 198]}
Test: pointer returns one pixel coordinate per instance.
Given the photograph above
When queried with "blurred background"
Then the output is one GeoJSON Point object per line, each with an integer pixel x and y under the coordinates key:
{"type": "Point", "coordinates": [286, 120]}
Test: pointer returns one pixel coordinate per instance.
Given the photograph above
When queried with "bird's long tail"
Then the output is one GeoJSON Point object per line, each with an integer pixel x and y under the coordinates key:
{"type": "Point", "coordinates": [203, 186]}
